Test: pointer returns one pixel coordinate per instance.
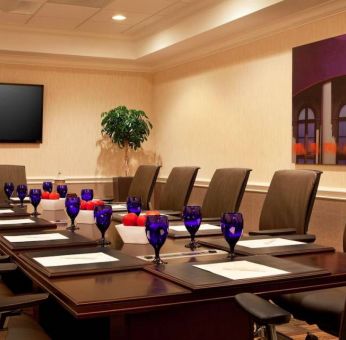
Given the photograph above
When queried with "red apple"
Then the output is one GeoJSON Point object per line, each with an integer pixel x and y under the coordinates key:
{"type": "Point", "coordinates": [130, 219]}
{"type": "Point", "coordinates": [141, 220]}
{"type": "Point", "coordinates": [54, 196]}
{"type": "Point", "coordinates": [90, 205]}
{"type": "Point", "coordinates": [99, 203]}
{"type": "Point", "coordinates": [83, 205]}
{"type": "Point", "coordinates": [45, 195]}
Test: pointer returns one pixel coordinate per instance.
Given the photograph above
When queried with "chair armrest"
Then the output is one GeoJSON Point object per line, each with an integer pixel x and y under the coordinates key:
{"type": "Point", "coordinates": [7, 267]}
{"type": "Point", "coordinates": [4, 258]}
{"type": "Point", "coordinates": [274, 232]}
{"type": "Point", "coordinates": [21, 301]}
{"type": "Point", "coordinates": [262, 311]}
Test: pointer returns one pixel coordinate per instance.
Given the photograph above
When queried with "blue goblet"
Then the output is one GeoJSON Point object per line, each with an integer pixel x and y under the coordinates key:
{"type": "Point", "coordinates": [192, 217]}
{"type": "Point", "coordinates": [103, 217]}
{"type": "Point", "coordinates": [156, 229]}
{"type": "Point", "coordinates": [87, 194]}
{"type": "Point", "coordinates": [232, 229]}
{"type": "Point", "coordinates": [35, 199]}
{"type": "Point", "coordinates": [134, 205]}
{"type": "Point", "coordinates": [22, 191]}
{"type": "Point", "coordinates": [62, 190]}
{"type": "Point", "coordinates": [8, 189]}
{"type": "Point", "coordinates": [72, 204]}
{"type": "Point", "coordinates": [47, 186]}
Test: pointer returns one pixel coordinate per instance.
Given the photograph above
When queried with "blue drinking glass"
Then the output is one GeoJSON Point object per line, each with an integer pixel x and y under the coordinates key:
{"type": "Point", "coordinates": [103, 217]}
{"type": "Point", "coordinates": [134, 205]}
{"type": "Point", "coordinates": [8, 189]}
{"type": "Point", "coordinates": [192, 217]}
{"type": "Point", "coordinates": [62, 190]}
{"type": "Point", "coordinates": [232, 229]}
{"type": "Point", "coordinates": [47, 186]}
{"type": "Point", "coordinates": [156, 229]}
{"type": "Point", "coordinates": [22, 191]}
{"type": "Point", "coordinates": [72, 204]}
{"type": "Point", "coordinates": [87, 194]}
{"type": "Point", "coordinates": [35, 199]}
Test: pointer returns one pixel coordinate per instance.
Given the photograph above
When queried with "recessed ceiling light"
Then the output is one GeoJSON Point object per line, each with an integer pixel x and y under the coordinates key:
{"type": "Point", "coordinates": [118, 17]}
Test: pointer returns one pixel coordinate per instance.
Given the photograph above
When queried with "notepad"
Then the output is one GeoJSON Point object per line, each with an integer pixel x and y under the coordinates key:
{"type": "Point", "coordinates": [203, 226]}
{"type": "Point", "coordinates": [268, 242]}
{"type": "Point", "coordinates": [239, 270]}
{"type": "Point", "coordinates": [17, 221]}
{"type": "Point", "coordinates": [35, 237]}
{"type": "Point", "coordinates": [6, 211]}
{"type": "Point", "coordinates": [73, 259]}
{"type": "Point", "coordinates": [119, 207]}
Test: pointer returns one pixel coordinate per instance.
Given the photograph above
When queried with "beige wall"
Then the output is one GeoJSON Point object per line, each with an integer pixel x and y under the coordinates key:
{"type": "Point", "coordinates": [73, 102]}
{"type": "Point", "coordinates": [234, 108]}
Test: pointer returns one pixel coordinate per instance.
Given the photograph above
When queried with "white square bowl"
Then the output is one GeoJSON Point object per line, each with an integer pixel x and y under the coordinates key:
{"type": "Point", "coordinates": [135, 235]}
{"type": "Point", "coordinates": [85, 217]}
{"type": "Point", "coordinates": [47, 204]}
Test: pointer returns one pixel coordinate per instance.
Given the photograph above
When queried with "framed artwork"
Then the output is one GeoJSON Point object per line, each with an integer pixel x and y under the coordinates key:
{"type": "Point", "coordinates": [319, 102]}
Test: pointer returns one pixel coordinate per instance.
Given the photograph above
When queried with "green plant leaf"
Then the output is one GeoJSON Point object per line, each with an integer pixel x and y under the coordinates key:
{"type": "Point", "coordinates": [126, 127]}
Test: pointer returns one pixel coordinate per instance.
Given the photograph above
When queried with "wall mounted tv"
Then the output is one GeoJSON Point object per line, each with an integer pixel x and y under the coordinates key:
{"type": "Point", "coordinates": [21, 111]}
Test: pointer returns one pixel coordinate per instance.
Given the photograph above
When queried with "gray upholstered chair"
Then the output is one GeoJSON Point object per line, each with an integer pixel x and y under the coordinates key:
{"type": "Point", "coordinates": [11, 173]}
{"type": "Point", "coordinates": [143, 183]}
{"type": "Point", "coordinates": [225, 192]}
{"type": "Point", "coordinates": [288, 204]}
{"type": "Point", "coordinates": [177, 189]}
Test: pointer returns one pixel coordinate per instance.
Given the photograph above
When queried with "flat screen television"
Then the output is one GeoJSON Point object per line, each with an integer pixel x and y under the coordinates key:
{"type": "Point", "coordinates": [21, 113]}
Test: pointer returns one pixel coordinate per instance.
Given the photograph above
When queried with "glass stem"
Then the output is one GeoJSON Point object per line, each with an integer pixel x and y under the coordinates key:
{"type": "Point", "coordinates": [157, 254]}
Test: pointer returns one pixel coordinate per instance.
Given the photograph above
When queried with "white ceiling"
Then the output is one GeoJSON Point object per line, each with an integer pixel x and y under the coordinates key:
{"type": "Point", "coordinates": [93, 16]}
{"type": "Point", "coordinates": [156, 34]}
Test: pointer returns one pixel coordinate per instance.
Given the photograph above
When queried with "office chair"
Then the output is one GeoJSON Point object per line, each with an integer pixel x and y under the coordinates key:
{"type": "Point", "coordinates": [324, 307]}
{"type": "Point", "coordinates": [143, 183]}
{"type": "Point", "coordinates": [288, 204]}
{"type": "Point", "coordinates": [225, 192]}
{"type": "Point", "coordinates": [268, 315]}
{"type": "Point", "coordinates": [177, 189]}
{"type": "Point", "coordinates": [11, 173]}
{"type": "Point", "coordinates": [13, 323]}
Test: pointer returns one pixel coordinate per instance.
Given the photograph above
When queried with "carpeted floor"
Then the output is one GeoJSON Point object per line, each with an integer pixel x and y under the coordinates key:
{"type": "Point", "coordinates": [297, 330]}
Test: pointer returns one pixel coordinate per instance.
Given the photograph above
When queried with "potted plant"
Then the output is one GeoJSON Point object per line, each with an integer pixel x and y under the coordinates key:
{"type": "Point", "coordinates": [128, 128]}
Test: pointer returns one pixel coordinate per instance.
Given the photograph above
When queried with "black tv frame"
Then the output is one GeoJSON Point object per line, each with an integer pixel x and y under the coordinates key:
{"type": "Point", "coordinates": [31, 141]}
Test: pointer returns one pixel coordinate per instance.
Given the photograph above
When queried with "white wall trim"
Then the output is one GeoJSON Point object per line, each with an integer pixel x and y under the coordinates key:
{"type": "Point", "coordinates": [71, 180]}
{"type": "Point", "coordinates": [329, 193]}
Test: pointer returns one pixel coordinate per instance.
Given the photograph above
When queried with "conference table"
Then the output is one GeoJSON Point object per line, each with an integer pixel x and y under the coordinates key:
{"type": "Point", "coordinates": [154, 302]}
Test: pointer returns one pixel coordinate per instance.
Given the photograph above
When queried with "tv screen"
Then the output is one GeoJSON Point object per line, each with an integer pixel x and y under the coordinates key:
{"type": "Point", "coordinates": [21, 111]}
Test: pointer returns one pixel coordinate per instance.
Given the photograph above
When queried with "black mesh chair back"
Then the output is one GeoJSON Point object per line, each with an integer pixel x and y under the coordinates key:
{"type": "Point", "coordinates": [290, 199]}
{"type": "Point", "coordinates": [11, 173]}
{"type": "Point", "coordinates": [178, 187]}
{"type": "Point", "coordinates": [143, 183]}
{"type": "Point", "coordinates": [225, 192]}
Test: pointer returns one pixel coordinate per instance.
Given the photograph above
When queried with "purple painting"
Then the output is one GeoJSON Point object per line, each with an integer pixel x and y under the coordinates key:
{"type": "Point", "coordinates": [319, 102]}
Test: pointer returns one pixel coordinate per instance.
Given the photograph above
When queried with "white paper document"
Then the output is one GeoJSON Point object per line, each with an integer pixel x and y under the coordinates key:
{"type": "Point", "coordinates": [203, 226]}
{"type": "Point", "coordinates": [238, 270]}
{"type": "Point", "coordinates": [36, 237]}
{"type": "Point", "coordinates": [17, 221]}
{"type": "Point", "coordinates": [6, 211]}
{"type": "Point", "coordinates": [268, 242]}
{"type": "Point", "coordinates": [119, 207]}
{"type": "Point", "coordinates": [16, 199]}
{"type": "Point", "coordinates": [72, 259]}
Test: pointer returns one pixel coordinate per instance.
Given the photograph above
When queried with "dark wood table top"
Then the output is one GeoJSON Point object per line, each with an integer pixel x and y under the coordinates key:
{"type": "Point", "coordinates": [102, 294]}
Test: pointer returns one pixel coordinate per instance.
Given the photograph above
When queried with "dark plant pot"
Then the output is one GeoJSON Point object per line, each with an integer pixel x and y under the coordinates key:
{"type": "Point", "coordinates": [121, 187]}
